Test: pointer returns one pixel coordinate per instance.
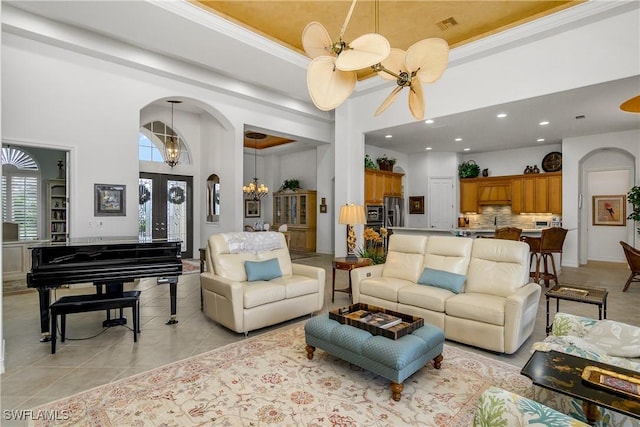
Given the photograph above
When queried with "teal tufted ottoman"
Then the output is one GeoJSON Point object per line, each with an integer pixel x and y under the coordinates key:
{"type": "Point", "coordinates": [394, 360]}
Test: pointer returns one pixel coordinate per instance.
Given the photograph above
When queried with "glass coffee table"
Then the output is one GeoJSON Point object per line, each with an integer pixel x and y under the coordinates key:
{"type": "Point", "coordinates": [583, 294]}
{"type": "Point", "coordinates": [562, 373]}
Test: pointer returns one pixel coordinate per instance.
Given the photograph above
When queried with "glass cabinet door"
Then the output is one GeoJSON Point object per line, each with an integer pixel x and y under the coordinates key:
{"type": "Point", "coordinates": [287, 210]}
{"type": "Point", "coordinates": [303, 210]}
{"type": "Point", "coordinates": [278, 218]}
{"type": "Point", "coordinates": [294, 210]}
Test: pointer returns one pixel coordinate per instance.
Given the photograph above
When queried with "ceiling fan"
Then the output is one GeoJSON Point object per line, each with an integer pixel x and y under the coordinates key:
{"type": "Point", "coordinates": [331, 75]}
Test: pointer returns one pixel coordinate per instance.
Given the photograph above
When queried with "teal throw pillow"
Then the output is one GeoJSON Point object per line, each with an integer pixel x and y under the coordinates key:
{"type": "Point", "coordinates": [262, 270]}
{"type": "Point", "coordinates": [442, 279]}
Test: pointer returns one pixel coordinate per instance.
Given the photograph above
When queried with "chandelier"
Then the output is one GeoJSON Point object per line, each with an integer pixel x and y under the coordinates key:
{"type": "Point", "coordinates": [332, 73]}
{"type": "Point", "coordinates": [172, 142]}
{"type": "Point", "coordinates": [254, 190]}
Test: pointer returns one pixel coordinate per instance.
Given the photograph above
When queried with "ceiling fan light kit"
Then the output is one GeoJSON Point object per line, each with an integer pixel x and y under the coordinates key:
{"type": "Point", "coordinates": [332, 74]}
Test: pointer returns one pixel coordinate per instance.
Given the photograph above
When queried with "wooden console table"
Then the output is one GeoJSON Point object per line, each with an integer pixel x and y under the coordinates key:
{"type": "Point", "coordinates": [583, 294]}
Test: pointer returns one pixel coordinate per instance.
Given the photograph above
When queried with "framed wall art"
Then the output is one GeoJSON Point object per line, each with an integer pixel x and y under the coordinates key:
{"type": "Point", "coordinates": [252, 208]}
{"type": "Point", "coordinates": [416, 204]}
{"type": "Point", "coordinates": [609, 210]}
{"type": "Point", "coordinates": [109, 200]}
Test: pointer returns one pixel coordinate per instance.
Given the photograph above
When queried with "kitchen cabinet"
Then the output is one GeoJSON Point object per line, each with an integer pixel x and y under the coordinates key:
{"type": "Point", "coordinates": [537, 193]}
{"type": "Point", "coordinates": [378, 184]}
{"type": "Point", "coordinates": [530, 193]}
{"type": "Point", "coordinates": [297, 209]}
{"type": "Point", "coordinates": [56, 190]}
{"type": "Point", "coordinates": [468, 195]}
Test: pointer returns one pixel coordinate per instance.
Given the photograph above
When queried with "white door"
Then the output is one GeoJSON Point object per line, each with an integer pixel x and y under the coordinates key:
{"type": "Point", "coordinates": [440, 206]}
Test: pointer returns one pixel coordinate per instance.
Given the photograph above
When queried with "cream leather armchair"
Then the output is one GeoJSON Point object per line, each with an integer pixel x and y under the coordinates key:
{"type": "Point", "coordinates": [242, 305]}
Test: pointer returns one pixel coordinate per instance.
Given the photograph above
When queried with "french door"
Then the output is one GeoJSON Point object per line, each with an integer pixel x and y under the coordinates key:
{"type": "Point", "coordinates": [165, 209]}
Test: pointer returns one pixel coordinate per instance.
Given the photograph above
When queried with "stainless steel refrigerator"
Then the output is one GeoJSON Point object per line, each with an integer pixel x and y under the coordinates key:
{"type": "Point", "coordinates": [393, 212]}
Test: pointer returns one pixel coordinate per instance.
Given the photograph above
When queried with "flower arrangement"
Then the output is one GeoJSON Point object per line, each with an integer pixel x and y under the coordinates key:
{"type": "Point", "coordinates": [386, 163]}
{"type": "Point", "coordinates": [374, 245]}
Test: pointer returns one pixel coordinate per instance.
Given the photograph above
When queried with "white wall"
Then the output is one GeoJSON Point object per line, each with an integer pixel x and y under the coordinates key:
{"type": "Point", "coordinates": [574, 183]}
{"type": "Point", "coordinates": [512, 162]}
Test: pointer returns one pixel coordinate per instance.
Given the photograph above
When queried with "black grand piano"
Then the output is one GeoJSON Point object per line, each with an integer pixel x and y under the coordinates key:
{"type": "Point", "coordinates": [104, 261]}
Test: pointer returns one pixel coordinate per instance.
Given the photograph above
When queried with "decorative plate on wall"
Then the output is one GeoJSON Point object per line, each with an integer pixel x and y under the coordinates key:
{"type": "Point", "coordinates": [552, 162]}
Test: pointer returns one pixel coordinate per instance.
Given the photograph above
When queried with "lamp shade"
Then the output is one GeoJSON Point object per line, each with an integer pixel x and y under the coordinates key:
{"type": "Point", "coordinates": [352, 214]}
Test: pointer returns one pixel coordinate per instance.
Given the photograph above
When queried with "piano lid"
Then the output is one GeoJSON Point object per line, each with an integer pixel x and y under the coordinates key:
{"type": "Point", "coordinates": [101, 240]}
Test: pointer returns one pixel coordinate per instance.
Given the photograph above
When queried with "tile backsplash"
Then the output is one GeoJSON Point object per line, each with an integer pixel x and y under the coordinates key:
{"type": "Point", "coordinates": [504, 218]}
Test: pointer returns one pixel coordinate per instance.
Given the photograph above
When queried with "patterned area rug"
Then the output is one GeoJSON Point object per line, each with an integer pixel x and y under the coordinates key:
{"type": "Point", "coordinates": [267, 380]}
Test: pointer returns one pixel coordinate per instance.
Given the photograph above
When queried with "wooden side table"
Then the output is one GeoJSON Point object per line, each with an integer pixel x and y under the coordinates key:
{"type": "Point", "coordinates": [346, 265]}
{"type": "Point", "coordinates": [583, 294]}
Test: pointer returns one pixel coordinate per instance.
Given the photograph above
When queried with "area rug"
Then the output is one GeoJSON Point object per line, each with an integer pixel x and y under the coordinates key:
{"type": "Point", "coordinates": [268, 380]}
{"type": "Point", "coordinates": [190, 266]}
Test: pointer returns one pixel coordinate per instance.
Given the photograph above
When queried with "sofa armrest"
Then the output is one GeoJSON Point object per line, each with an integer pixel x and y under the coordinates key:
{"type": "Point", "coordinates": [568, 324]}
{"type": "Point", "coordinates": [312, 272]}
{"type": "Point", "coordinates": [229, 299]}
{"type": "Point", "coordinates": [501, 407]}
{"type": "Point", "coordinates": [521, 309]}
{"type": "Point", "coordinates": [359, 274]}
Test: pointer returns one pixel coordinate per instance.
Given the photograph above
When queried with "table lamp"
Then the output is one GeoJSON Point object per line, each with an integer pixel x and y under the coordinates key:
{"type": "Point", "coordinates": [352, 215]}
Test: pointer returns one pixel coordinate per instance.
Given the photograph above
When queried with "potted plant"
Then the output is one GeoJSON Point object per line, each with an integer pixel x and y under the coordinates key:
{"type": "Point", "coordinates": [368, 163]}
{"type": "Point", "coordinates": [386, 163]}
{"type": "Point", "coordinates": [468, 169]}
{"type": "Point", "coordinates": [633, 197]}
{"type": "Point", "coordinates": [290, 184]}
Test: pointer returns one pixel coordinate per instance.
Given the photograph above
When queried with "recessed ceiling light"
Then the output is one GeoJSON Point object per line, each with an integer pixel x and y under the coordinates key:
{"type": "Point", "coordinates": [501, 115]}
{"type": "Point", "coordinates": [540, 140]}
{"type": "Point", "coordinates": [544, 123]}
{"type": "Point", "coordinates": [428, 148]}
{"type": "Point", "coordinates": [428, 121]}
{"type": "Point", "coordinates": [388, 136]}
{"type": "Point", "coordinates": [467, 149]}
{"type": "Point", "coordinates": [458, 139]}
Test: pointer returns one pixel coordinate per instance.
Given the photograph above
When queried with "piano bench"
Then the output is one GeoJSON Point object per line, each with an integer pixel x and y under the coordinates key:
{"type": "Point", "coordinates": [94, 302]}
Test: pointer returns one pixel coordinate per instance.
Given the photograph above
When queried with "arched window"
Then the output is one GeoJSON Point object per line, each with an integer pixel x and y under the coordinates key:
{"type": "Point", "coordinates": [151, 142]}
{"type": "Point", "coordinates": [20, 201]}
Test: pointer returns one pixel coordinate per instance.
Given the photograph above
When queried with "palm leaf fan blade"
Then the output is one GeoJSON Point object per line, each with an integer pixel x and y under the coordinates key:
{"type": "Point", "coordinates": [429, 57]}
{"type": "Point", "coordinates": [388, 101]}
{"type": "Point", "coordinates": [394, 63]}
{"type": "Point", "coordinates": [316, 40]}
{"type": "Point", "coordinates": [416, 99]}
{"type": "Point", "coordinates": [329, 87]}
{"type": "Point", "coordinates": [363, 52]}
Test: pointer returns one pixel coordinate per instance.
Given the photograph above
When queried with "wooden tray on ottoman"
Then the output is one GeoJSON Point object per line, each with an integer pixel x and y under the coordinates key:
{"type": "Point", "coordinates": [352, 315]}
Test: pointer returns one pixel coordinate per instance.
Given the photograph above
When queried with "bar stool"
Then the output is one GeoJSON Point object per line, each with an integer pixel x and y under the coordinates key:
{"type": "Point", "coordinates": [508, 233]}
{"type": "Point", "coordinates": [550, 242]}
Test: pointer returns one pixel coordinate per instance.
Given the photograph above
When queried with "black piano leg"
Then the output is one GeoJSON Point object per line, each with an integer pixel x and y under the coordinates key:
{"type": "Point", "coordinates": [173, 288]}
{"type": "Point", "coordinates": [44, 296]}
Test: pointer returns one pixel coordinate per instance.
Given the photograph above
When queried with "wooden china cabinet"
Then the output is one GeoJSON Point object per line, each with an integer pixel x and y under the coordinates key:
{"type": "Point", "coordinates": [297, 209]}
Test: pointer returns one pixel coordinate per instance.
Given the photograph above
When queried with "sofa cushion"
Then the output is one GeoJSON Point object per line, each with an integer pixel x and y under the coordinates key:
{"type": "Point", "coordinates": [296, 286]}
{"type": "Point", "coordinates": [479, 307]}
{"type": "Point", "coordinates": [284, 259]}
{"type": "Point", "coordinates": [231, 266]}
{"type": "Point", "coordinates": [615, 338]}
{"type": "Point", "coordinates": [427, 297]}
{"type": "Point", "coordinates": [448, 253]}
{"type": "Point", "coordinates": [404, 258]}
{"type": "Point", "coordinates": [262, 270]}
{"type": "Point", "coordinates": [385, 288]}
{"type": "Point", "coordinates": [442, 279]}
{"type": "Point", "coordinates": [261, 292]}
{"type": "Point", "coordinates": [401, 265]}
{"type": "Point", "coordinates": [498, 267]}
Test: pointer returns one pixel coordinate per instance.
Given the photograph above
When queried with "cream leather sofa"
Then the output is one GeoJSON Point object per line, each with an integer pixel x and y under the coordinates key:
{"type": "Point", "coordinates": [497, 307]}
{"type": "Point", "coordinates": [231, 300]}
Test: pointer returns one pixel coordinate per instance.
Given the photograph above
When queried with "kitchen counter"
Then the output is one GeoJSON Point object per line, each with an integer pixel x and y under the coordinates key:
{"type": "Point", "coordinates": [461, 231]}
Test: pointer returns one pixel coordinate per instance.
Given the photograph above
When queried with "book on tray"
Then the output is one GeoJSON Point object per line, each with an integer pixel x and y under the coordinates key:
{"type": "Point", "coordinates": [379, 319]}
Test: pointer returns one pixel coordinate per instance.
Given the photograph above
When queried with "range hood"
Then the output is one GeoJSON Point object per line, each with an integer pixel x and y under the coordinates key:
{"type": "Point", "coordinates": [494, 194]}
